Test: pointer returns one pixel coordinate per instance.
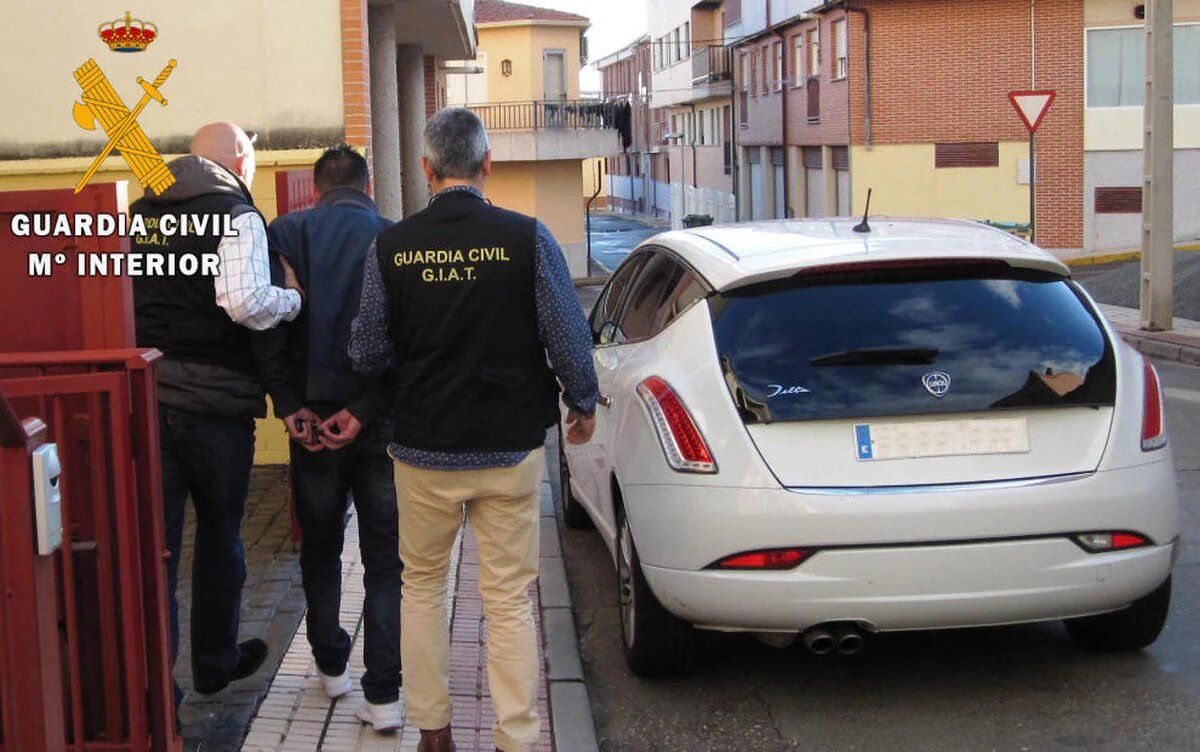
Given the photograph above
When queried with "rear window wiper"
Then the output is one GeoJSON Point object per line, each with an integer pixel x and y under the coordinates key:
{"type": "Point", "coordinates": [878, 356]}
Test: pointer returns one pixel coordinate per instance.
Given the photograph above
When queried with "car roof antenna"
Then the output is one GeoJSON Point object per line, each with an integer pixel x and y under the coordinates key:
{"type": "Point", "coordinates": [863, 226]}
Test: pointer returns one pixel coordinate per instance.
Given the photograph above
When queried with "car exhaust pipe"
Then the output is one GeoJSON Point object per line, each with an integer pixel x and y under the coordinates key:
{"type": "Point", "coordinates": [848, 639]}
{"type": "Point", "coordinates": [819, 640]}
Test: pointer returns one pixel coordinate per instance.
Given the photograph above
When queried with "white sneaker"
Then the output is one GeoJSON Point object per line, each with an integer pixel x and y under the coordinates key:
{"type": "Point", "coordinates": [386, 717]}
{"type": "Point", "coordinates": [336, 686]}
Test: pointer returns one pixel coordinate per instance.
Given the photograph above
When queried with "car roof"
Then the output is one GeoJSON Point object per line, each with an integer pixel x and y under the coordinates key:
{"type": "Point", "coordinates": [733, 255]}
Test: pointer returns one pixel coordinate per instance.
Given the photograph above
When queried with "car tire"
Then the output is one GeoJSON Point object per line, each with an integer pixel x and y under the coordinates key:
{"type": "Point", "coordinates": [656, 642]}
{"type": "Point", "coordinates": [1129, 629]}
{"type": "Point", "coordinates": [574, 514]}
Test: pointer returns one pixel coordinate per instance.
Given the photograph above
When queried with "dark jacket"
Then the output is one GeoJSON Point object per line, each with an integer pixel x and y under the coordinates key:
{"type": "Point", "coordinates": [211, 364]}
{"type": "Point", "coordinates": [327, 245]}
{"type": "Point", "coordinates": [471, 370]}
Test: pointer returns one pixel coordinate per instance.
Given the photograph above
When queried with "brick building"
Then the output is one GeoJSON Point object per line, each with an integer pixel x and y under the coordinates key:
{"type": "Point", "coordinates": [625, 77]}
{"type": "Point", "coordinates": [909, 98]}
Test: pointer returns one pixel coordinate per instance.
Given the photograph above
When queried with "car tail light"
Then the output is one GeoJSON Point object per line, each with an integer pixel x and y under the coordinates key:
{"type": "Point", "coordinates": [1154, 428]}
{"type": "Point", "coordinates": [773, 558]}
{"type": "Point", "coordinates": [685, 448]}
{"type": "Point", "coordinates": [1099, 542]}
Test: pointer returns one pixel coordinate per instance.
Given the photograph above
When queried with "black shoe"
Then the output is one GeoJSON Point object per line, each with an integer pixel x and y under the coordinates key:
{"type": "Point", "coordinates": [253, 653]}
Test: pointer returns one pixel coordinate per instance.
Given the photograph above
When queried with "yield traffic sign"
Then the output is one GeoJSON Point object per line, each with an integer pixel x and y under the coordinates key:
{"type": "Point", "coordinates": [1032, 106]}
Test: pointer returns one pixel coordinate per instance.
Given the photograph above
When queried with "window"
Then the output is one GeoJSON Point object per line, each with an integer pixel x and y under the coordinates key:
{"type": "Point", "coordinates": [841, 55]}
{"type": "Point", "coordinates": [700, 129]}
{"type": "Point", "coordinates": [777, 53]}
{"type": "Point", "coordinates": [1116, 75]}
{"type": "Point", "coordinates": [985, 154]}
{"type": "Point", "coordinates": [677, 47]}
{"type": "Point", "coordinates": [609, 302]}
{"type": "Point", "coordinates": [687, 40]}
{"type": "Point", "coordinates": [798, 60]}
{"type": "Point", "coordinates": [983, 325]}
{"type": "Point", "coordinates": [766, 67]}
{"type": "Point", "coordinates": [753, 74]}
{"type": "Point", "coordinates": [814, 52]}
{"type": "Point", "coordinates": [1119, 200]}
{"type": "Point", "coordinates": [658, 295]}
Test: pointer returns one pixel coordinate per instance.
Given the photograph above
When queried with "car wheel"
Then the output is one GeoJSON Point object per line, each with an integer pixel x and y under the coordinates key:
{"type": "Point", "coordinates": [1131, 628]}
{"type": "Point", "coordinates": [655, 641]}
{"type": "Point", "coordinates": [573, 512]}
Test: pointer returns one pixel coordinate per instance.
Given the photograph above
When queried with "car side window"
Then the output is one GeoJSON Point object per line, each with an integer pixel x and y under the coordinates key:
{"type": "Point", "coordinates": [650, 297]}
{"type": "Point", "coordinates": [687, 290]}
{"type": "Point", "coordinates": [605, 310]}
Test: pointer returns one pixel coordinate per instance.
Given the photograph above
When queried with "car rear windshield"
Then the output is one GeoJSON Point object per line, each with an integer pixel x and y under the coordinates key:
{"type": "Point", "coordinates": [855, 344]}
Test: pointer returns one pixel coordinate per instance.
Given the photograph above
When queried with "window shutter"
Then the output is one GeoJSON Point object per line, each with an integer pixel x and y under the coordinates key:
{"type": "Point", "coordinates": [812, 157]}
{"type": "Point", "coordinates": [983, 154]}
{"type": "Point", "coordinates": [841, 158]}
{"type": "Point", "coordinates": [1119, 200]}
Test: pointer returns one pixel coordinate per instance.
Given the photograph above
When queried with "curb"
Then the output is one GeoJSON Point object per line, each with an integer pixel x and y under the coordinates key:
{"type": "Point", "coordinates": [1147, 344]}
{"type": "Point", "coordinates": [571, 719]}
{"type": "Point", "coordinates": [1112, 258]}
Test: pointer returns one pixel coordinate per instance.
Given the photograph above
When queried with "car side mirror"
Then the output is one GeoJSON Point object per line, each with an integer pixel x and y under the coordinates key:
{"type": "Point", "coordinates": [608, 333]}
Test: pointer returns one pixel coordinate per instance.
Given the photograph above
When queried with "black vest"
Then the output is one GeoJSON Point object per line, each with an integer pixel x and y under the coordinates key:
{"type": "Point", "coordinates": [178, 314]}
{"type": "Point", "coordinates": [471, 371]}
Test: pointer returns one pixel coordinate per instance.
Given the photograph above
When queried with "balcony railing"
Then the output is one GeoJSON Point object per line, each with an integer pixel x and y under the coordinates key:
{"type": "Point", "coordinates": [537, 115]}
{"type": "Point", "coordinates": [711, 63]}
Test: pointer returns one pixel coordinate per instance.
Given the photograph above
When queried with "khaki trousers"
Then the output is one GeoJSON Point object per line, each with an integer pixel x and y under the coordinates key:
{"type": "Point", "coordinates": [502, 506]}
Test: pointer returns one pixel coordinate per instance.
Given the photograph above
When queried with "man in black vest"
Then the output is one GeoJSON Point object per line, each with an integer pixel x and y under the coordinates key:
{"type": "Point", "coordinates": [464, 301]}
{"type": "Point", "coordinates": [209, 388]}
{"type": "Point", "coordinates": [326, 245]}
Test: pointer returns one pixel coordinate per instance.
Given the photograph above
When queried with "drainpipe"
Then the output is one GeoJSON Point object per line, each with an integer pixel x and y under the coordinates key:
{"type": "Point", "coordinates": [866, 68]}
{"type": "Point", "coordinates": [783, 113]}
{"type": "Point", "coordinates": [693, 144]}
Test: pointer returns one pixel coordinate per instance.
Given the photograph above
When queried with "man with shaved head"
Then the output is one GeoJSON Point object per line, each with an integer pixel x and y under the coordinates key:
{"type": "Point", "coordinates": [210, 382]}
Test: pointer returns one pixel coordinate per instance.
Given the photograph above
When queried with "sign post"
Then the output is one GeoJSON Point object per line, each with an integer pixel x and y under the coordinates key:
{"type": "Point", "coordinates": [1031, 107]}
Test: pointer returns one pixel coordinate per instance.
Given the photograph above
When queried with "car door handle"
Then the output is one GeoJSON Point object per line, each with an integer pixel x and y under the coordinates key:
{"type": "Point", "coordinates": [604, 400]}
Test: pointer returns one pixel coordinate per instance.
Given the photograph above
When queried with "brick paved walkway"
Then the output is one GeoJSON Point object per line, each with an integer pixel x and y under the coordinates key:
{"type": "Point", "coordinates": [296, 715]}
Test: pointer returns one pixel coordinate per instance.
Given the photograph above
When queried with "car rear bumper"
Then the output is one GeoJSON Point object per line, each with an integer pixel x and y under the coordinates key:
{"type": "Point", "coordinates": [918, 587]}
{"type": "Point", "coordinates": [688, 527]}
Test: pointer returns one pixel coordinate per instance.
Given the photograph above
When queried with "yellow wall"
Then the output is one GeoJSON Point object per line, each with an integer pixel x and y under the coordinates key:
{"type": "Point", "coordinates": [559, 205]}
{"type": "Point", "coordinates": [523, 45]}
{"type": "Point", "coordinates": [548, 190]}
{"type": "Point", "coordinates": [236, 61]}
{"type": "Point", "coordinates": [271, 446]}
{"type": "Point", "coordinates": [905, 183]}
{"type": "Point", "coordinates": [594, 171]}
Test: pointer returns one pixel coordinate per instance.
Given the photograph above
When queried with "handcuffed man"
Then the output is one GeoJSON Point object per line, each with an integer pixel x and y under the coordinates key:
{"type": "Point", "coordinates": [340, 436]}
{"type": "Point", "coordinates": [467, 334]}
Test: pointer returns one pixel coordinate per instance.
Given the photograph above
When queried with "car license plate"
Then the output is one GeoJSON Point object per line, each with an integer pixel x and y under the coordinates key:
{"type": "Point", "coordinates": [940, 438]}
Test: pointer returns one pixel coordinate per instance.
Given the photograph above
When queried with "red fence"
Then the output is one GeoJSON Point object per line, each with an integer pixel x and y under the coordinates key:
{"type": "Point", "coordinates": [110, 575]}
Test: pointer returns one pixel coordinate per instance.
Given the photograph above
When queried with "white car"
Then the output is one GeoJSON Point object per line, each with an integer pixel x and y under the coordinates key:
{"type": "Point", "coordinates": [811, 431]}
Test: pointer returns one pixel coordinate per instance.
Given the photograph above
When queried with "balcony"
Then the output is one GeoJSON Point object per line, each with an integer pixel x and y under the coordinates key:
{"type": "Point", "coordinates": [547, 130]}
{"type": "Point", "coordinates": [711, 64]}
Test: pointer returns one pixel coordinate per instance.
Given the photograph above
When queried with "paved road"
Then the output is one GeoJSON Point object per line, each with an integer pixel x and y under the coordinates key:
{"type": "Point", "coordinates": [614, 236]}
{"type": "Point", "coordinates": [1120, 284]}
{"type": "Point", "coordinates": [1013, 688]}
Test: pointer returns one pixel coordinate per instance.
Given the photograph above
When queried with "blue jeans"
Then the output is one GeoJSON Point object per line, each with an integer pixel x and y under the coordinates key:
{"type": "Point", "coordinates": [209, 458]}
{"type": "Point", "coordinates": [321, 483]}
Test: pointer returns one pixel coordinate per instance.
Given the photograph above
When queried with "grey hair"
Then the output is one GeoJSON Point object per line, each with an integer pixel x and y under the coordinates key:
{"type": "Point", "coordinates": [455, 143]}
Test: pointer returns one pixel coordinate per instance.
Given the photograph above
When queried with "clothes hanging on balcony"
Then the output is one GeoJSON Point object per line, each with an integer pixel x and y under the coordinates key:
{"type": "Point", "coordinates": [622, 117]}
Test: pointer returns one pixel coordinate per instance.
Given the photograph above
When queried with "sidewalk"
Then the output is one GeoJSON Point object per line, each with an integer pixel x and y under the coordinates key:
{"type": "Point", "coordinates": [296, 715]}
{"type": "Point", "coordinates": [1181, 344]}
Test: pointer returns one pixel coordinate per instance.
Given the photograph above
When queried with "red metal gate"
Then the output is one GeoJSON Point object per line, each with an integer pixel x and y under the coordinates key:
{"type": "Point", "coordinates": [101, 629]}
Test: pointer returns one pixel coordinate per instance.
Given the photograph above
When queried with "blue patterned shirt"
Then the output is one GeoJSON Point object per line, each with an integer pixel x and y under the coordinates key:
{"type": "Point", "coordinates": [562, 326]}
